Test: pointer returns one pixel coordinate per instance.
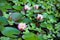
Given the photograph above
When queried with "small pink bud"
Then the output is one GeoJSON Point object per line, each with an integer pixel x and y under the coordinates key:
{"type": "Point", "coordinates": [36, 6]}
{"type": "Point", "coordinates": [39, 17]}
{"type": "Point", "coordinates": [26, 7]}
{"type": "Point", "coordinates": [22, 26]}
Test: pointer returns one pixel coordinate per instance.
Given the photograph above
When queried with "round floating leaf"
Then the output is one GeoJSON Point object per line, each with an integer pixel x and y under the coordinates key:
{"type": "Point", "coordinates": [3, 21]}
{"type": "Point", "coordinates": [30, 36]}
{"type": "Point", "coordinates": [1, 27]}
{"type": "Point", "coordinates": [4, 38]}
{"type": "Point", "coordinates": [17, 7]}
{"type": "Point", "coordinates": [16, 16]}
{"type": "Point", "coordinates": [10, 32]}
{"type": "Point", "coordinates": [27, 20]}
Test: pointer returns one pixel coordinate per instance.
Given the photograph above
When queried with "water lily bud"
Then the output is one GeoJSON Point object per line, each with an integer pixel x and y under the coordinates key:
{"type": "Point", "coordinates": [36, 6]}
{"type": "Point", "coordinates": [26, 7]}
{"type": "Point", "coordinates": [39, 17]}
{"type": "Point", "coordinates": [10, 18]}
{"type": "Point", "coordinates": [22, 26]}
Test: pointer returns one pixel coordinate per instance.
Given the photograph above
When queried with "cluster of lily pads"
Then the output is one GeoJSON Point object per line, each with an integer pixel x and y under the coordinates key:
{"type": "Point", "coordinates": [29, 19]}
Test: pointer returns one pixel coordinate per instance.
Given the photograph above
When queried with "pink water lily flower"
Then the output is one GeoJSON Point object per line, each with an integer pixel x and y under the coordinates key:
{"type": "Point", "coordinates": [26, 7]}
{"type": "Point", "coordinates": [22, 26]}
{"type": "Point", "coordinates": [39, 17]}
{"type": "Point", "coordinates": [36, 6]}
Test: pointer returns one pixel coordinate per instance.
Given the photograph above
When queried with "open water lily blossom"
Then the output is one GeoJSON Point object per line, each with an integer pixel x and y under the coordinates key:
{"type": "Point", "coordinates": [26, 7]}
{"type": "Point", "coordinates": [36, 6]}
{"type": "Point", "coordinates": [39, 17]}
{"type": "Point", "coordinates": [22, 26]}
